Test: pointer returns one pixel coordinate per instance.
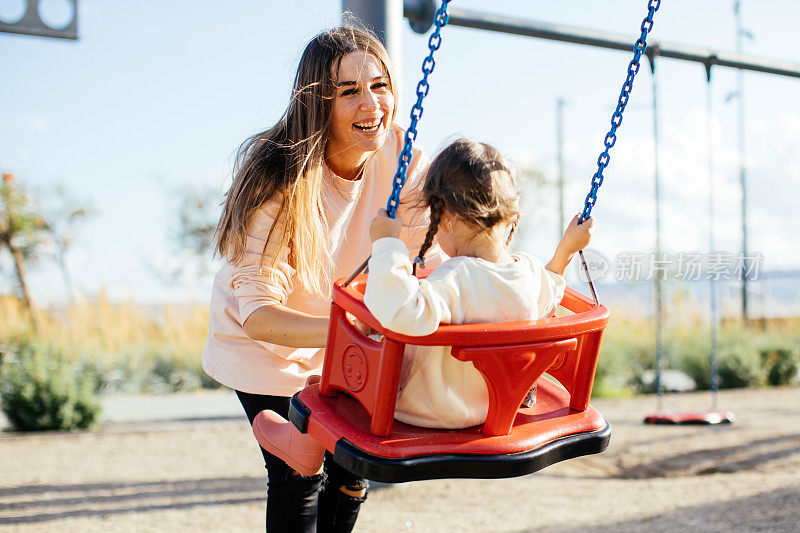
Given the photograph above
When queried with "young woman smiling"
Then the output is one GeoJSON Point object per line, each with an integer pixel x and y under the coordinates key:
{"type": "Point", "coordinates": [296, 218]}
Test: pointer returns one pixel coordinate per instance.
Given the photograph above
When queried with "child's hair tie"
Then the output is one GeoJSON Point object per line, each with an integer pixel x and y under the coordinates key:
{"type": "Point", "coordinates": [418, 261]}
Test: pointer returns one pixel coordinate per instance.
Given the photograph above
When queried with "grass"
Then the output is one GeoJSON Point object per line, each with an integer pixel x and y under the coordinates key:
{"type": "Point", "coordinates": [132, 348]}
{"type": "Point", "coordinates": [745, 354]}
{"type": "Point", "coordinates": [128, 346]}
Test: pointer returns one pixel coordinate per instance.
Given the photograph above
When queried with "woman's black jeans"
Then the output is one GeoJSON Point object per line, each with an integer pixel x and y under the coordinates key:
{"type": "Point", "coordinates": [298, 503]}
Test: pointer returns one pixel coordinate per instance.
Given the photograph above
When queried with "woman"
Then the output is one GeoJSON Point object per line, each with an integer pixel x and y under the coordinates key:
{"type": "Point", "coordinates": [296, 218]}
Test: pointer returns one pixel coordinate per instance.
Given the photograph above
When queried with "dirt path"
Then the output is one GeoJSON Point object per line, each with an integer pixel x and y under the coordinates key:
{"type": "Point", "coordinates": [743, 477]}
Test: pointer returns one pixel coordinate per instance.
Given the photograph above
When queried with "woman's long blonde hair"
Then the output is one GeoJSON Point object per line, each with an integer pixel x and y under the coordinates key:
{"type": "Point", "coordinates": [285, 164]}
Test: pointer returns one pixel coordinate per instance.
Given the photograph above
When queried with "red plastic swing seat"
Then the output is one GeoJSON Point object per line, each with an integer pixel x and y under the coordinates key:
{"type": "Point", "coordinates": [691, 418]}
{"type": "Point", "coordinates": [350, 412]}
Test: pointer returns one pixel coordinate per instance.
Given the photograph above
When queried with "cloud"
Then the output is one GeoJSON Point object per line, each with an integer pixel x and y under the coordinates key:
{"type": "Point", "coordinates": [625, 210]}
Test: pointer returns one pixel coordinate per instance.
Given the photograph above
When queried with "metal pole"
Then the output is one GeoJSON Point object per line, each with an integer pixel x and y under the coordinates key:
{"type": "Point", "coordinates": [417, 11]}
{"type": "Point", "coordinates": [657, 275]}
{"type": "Point", "coordinates": [560, 139]}
{"type": "Point", "coordinates": [385, 18]}
{"type": "Point", "coordinates": [742, 162]}
{"type": "Point", "coordinates": [714, 295]}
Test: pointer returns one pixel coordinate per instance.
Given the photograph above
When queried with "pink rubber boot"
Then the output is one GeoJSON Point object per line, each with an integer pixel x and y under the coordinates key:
{"type": "Point", "coordinates": [280, 438]}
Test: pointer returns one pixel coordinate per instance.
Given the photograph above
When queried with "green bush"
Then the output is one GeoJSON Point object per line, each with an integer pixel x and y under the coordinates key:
{"type": "Point", "coordinates": [169, 376]}
{"type": "Point", "coordinates": [622, 361]}
{"type": "Point", "coordinates": [207, 382]}
{"type": "Point", "coordinates": [780, 364]}
{"type": "Point", "coordinates": [41, 390]}
{"type": "Point", "coordinates": [738, 362]}
{"type": "Point", "coordinates": [697, 366]}
{"type": "Point", "coordinates": [739, 366]}
{"type": "Point", "coordinates": [145, 373]}
{"type": "Point", "coordinates": [745, 358]}
{"type": "Point", "coordinates": [129, 374]}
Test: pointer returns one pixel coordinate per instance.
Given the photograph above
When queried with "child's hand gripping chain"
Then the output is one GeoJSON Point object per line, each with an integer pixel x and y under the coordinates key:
{"type": "Point", "coordinates": [576, 237]}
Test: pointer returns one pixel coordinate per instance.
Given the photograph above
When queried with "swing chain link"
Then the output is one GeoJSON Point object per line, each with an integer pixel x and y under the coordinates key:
{"type": "Point", "coordinates": [616, 120]}
{"type": "Point", "coordinates": [428, 64]}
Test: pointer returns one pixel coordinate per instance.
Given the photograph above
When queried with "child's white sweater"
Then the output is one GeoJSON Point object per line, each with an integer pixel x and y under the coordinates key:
{"type": "Point", "coordinates": [437, 390]}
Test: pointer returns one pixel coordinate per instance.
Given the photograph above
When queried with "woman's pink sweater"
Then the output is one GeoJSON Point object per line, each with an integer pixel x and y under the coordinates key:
{"type": "Point", "coordinates": [241, 363]}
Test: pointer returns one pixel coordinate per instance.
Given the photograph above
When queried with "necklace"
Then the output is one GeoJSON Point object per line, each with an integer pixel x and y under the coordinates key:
{"type": "Point", "coordinates": [350, 197]}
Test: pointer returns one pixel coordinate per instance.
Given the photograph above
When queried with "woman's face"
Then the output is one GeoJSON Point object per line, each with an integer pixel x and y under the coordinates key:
{"type": "Point", "coordinates": [361, 114]}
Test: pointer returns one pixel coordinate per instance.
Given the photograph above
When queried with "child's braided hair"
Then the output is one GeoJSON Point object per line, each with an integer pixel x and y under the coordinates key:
{"type": "Point", "coordinates": [474, 183]}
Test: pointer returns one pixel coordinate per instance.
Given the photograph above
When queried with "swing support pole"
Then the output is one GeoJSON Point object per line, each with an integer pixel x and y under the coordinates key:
{"type": "Point", "coordinates": [657, 274]}
{"type": "Point", "coordinates": [385, 18]}
{"type": "Point", "coordinates": [712, 246]}
{"type": "Point", "coordinates": [418, 11]}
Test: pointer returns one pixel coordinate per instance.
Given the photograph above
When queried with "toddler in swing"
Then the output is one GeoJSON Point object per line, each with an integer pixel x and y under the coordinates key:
{"type": "Point", "coordinates": [474, 208]}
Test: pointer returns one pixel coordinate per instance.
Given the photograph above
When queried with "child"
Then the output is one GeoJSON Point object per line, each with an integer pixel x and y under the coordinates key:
{"type": "Point", "coordinates": [474, 209]}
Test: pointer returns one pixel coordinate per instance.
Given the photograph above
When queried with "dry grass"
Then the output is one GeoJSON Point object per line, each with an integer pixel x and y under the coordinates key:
{"type": "Point", "coordinates": [100, 328]}
{"type": "Point", "coordinates": [128, 335]}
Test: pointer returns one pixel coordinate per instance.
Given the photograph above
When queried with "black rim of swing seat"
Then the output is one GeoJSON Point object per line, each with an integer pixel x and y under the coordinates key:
{"type": "Point", "coordinates": [440, 466]}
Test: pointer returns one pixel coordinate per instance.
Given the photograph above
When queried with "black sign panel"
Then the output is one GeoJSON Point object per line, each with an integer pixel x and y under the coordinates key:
{"type": "Point", "coordinates": [33, 22]}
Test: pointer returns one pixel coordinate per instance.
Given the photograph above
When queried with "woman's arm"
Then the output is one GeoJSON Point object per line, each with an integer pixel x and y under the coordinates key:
{"type": "Point", "coordinates": [262, 296]}
{"type": "Point", "coordinates": [280, 325]}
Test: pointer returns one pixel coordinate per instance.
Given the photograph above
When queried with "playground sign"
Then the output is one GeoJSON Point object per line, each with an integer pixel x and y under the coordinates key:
{"type": "Point", "coordinates": [42, 18]}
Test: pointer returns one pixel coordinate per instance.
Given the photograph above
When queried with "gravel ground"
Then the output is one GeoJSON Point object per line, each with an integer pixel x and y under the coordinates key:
{"type": "Point", "coordinates": [207, 476]}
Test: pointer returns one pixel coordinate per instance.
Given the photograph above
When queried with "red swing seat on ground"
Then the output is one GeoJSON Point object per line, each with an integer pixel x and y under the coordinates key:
{"type": "Point", "coordinates": [697, 418]}
{"type": "Point", "coordinates": [350, 412]}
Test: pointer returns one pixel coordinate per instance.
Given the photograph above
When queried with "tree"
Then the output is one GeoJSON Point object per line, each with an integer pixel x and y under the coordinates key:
{"type": "Point", "coordinates": [194, 211]}
{"type": "Point", "coordinates": [197, 219]}
{"type": "Point", "coordinates": [21, 231]}
{"type": "Point", "coordinates": [63, 217]}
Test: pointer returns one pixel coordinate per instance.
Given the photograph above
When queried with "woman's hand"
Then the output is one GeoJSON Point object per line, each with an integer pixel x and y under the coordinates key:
{"type": "Point", "coordinates": [363, 327]}
{"type": "Point", "coordinates": [385, 226]}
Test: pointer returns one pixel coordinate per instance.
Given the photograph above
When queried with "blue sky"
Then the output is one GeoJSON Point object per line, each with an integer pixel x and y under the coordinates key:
{"type": "Point", "coordinates": [155, 97]}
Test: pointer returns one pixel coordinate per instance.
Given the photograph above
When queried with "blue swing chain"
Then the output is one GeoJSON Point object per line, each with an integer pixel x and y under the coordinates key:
{"type": "Point", "coordinates": [434, 42]}
{"type": "Point", "coordinates": [616, 119]}
{"type": "Point", "coordinates": [440, 20]}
